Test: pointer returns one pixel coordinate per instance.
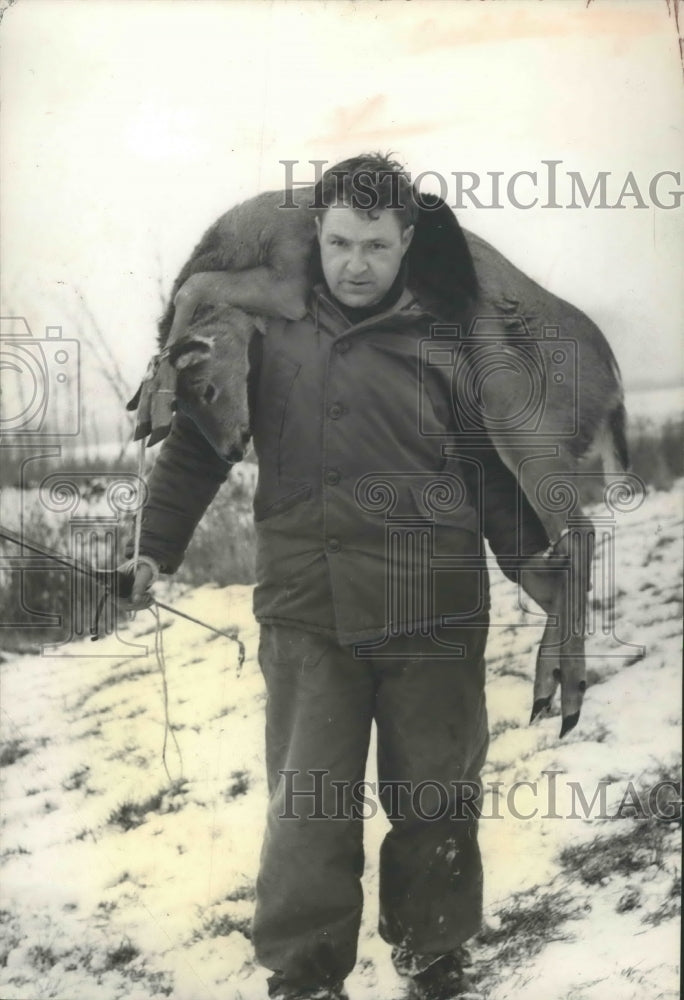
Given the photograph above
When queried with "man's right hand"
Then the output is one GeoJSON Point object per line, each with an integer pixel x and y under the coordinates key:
{"type": "Point", "coordinates": [141, 596]}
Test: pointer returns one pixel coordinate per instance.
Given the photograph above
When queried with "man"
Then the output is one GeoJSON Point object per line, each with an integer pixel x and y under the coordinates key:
{"type": "Point", "coordinates": [372, 596]}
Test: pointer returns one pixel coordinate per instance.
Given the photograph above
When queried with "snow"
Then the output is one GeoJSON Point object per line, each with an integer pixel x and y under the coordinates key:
{"type": "Point", "coordinates": [92, 910]}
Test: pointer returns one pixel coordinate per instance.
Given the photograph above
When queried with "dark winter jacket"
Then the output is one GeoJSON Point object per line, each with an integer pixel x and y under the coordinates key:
{"type": "Point", "coordinates": [370, 510]}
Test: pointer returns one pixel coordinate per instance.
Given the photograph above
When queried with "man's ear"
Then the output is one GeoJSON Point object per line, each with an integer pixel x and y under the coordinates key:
{"type": "Point", "coordinates": [406, 238]}
{"type": "Point", "coordinates": [318, 227]}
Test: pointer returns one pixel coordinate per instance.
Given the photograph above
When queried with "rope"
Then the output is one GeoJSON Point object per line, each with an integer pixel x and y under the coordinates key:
{"type": "Point", "coordinates": [161, 663]}
{"type": "Point", "coordinates": [137, 520]}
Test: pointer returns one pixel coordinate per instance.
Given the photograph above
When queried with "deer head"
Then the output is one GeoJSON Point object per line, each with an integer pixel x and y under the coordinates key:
{"type": "Point", "coordinates": [212, 363]}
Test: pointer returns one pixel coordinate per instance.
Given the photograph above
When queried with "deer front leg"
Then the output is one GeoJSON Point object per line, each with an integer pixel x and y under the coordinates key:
{"type": "Point", "coordinates": [547, 672]}
{"type": "Point", "coordinates": [258, 290]}
{"type": "Point", "coordinates": [579, 544]}
{"type": "Point", "coordinates": [543, 579]}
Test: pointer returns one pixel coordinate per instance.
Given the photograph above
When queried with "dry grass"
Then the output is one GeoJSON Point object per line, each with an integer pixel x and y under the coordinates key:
{"type": "Point", "coordinates": [617, 854]}
{"type": "Point", "coordinates": [531, 921]}
{"type": "Point", "coordinates": [131, 814]}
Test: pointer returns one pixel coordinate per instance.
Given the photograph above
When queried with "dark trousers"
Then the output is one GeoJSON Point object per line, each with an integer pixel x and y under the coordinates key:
{"type": "Point", "coordinates": [432, 736]}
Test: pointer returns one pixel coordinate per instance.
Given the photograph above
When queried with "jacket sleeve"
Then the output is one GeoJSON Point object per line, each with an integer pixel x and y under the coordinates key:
{"type": "Point", "coordinates": [509, 522]}
{"type": "Point", "coordinates": [511, 525]}
{"type": "Point", "coordinates": [184, 480]}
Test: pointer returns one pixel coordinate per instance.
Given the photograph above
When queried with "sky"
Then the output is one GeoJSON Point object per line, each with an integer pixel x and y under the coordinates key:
{"type": "Point", "coordinates": [129, 126]}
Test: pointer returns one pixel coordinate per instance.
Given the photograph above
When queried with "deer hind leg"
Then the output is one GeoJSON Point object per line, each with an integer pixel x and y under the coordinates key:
{"type": "Point", "coordinates": [561, 654]}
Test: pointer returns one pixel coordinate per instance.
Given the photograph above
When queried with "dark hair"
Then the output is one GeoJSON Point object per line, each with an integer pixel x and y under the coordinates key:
{"type": "Point", "coordinates": [368, 183]}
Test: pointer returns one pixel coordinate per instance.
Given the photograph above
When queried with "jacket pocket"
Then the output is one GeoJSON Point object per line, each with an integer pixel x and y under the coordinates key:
{"type": "Point", "coordinates": [287, 377]}
{"type": "Point", "coordinates": [278, 487]}
{"type": "Point", "coordinates": [278, 374]}
{"type": "Point", "coordinates": [276, 382]}
{"type": "Point", "coordinates": [266, 506]}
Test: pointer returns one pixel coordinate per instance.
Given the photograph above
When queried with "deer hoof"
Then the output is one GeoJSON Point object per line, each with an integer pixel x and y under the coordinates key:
{"type": "Point", "coordinates": [569, 723]}
{"type": "Point", "coordinates": [540, 705]}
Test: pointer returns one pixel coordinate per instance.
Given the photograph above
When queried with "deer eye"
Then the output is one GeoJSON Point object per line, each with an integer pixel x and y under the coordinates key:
{"type": "Point", "coordinates": [210, 394]}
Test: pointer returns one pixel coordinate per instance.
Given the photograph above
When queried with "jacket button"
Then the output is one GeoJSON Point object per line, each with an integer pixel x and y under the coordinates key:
{"type": "Point", "coordinates": [335, 411]}
{"type": "Point", "coordinates": [333, 545]}
{"type": "Point", "coordinates": [342, 346]}
{"type": "Point", "coordinates": [332, 477]}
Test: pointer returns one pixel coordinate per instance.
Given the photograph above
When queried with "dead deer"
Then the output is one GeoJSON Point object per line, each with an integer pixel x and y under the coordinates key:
{"type": "Point", "coordinates": [550, 395]}
{"type": "Point", "coordinates": [542, 376]}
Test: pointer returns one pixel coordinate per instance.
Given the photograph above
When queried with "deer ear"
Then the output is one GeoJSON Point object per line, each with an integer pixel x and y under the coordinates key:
{"type": "Point", "coordinates": [190, 351]}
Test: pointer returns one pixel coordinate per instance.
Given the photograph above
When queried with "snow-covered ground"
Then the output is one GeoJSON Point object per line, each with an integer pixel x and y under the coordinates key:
{"type": "Point", "coordinates": [120, 881]}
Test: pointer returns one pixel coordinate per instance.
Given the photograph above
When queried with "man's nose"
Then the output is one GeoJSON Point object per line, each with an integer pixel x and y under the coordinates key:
{"type": "Point", "coordinates": [356, 262]}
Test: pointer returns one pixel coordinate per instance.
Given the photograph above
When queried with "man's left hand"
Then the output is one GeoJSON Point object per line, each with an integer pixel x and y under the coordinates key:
{"type": "Point", "coordinates": [542, 585]}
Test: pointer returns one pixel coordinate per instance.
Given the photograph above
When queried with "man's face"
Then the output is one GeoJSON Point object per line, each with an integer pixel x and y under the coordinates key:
{"type": "Point", "coordinates": [360, 255]}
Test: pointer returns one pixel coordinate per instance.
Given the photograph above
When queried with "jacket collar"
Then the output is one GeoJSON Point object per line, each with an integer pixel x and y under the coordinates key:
{"type": "Point", "coordinates": [325, 311]}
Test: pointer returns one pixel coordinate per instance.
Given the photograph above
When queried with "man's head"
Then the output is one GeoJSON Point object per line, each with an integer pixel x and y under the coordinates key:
{"type": "Point", "coordinates": [365, 221]}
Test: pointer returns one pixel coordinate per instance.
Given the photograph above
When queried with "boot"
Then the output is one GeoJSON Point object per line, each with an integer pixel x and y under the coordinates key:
{"type": "Point", "coordinates": [280, 989]}
{"type": "Point", "coordinates": [443, 979]}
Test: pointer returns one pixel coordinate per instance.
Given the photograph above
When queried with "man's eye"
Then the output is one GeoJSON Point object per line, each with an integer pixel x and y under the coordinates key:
{"type": "Point", "coordinates": [336, 243]}
{"type": "Point", "coordinates": [378, 246]}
